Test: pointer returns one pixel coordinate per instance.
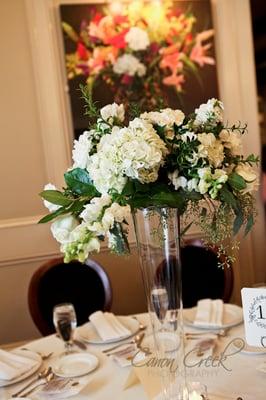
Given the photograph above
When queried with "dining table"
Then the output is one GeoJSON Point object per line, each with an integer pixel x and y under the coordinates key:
{"type": "Point", "coordinates": [234, 374]}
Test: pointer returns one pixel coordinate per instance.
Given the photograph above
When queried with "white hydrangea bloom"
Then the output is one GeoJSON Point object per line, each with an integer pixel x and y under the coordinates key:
{"type": "Point", "coordinates": [113, 111]}
{"type": "Point", "coordinates": [81, 150]}
{"type": "Point", "coordinates": [62, 228]}
{"type": "Point", "coordinates": [177, 181]}
{"type": "Point", "coordinates": [93, 210]}
{"type": "Point", "coordinates": [166, 117]}
{"type": "Point", "coordinates": [51, 207]}
{"type": "Point", "coordinates": [130, 65]}
{"type": "Point", "coordinates": [128, 151]}
{"type": "Point", "coordinates": [209, 112]}
{"type": "Point", "coordinates": [250, 175]}
{"type": "Point", "coordinates": [232, 140]}
{"type": "Point", "coordinates": [137, 39]}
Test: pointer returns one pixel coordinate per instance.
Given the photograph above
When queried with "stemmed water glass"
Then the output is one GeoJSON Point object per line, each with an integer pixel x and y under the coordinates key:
{"type": "Point", "coordinates": [65, 322]}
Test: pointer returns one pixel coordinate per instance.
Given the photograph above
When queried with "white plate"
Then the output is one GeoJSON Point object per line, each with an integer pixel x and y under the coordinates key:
{"type": "Point", "coordinates": [249, 349]}
{"type": "Point", "coordinates": [74, 365]}
{"type": "Point", "coordinates": [33, 356]}
{"type": "Point", "coordinates": [88, 333]}
{"type": "Point", "coordinates": [232, 315]}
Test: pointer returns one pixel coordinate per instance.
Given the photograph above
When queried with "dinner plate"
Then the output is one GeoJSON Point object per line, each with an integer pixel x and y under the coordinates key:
{"type": "Point", "coordinates": [30, 354]}
{"type": "Point", "coordinates": [252, 350]}
{"type": "Point", "coordinates": [88, 333]}
{"type": "Point", "coordinates": [232, 316]}
{"type": "Point", "coordinates": [74, 365]}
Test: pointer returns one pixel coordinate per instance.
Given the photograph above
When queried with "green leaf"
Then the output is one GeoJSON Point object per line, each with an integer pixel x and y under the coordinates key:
{"type": "Point", "coordinates": [78, 181]}
{"type": "Point", "coordinates": [236, 181]}
{"type": "Point", "coordinates": [55, 197]}
{"type": "Point", "coordinates": [53, 215]}
{"type": "Point", "coordinates": [238, 222]}
{"type": "Point", "coordinates": [250, 223]}
{"type": "Point", "coordinates": [171, 199]}
{"type": "Point", "coordinates": [70, 32]}
{"type": "Point", "coordinates": [228, 197]}
{"type": "Point", "coordinates": [121, 245]}
{"type": "Point", "coordinates": [129, 188]}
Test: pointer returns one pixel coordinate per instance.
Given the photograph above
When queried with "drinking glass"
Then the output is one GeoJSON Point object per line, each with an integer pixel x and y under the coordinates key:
{"type": "Point", "coordinates": [65, 322]}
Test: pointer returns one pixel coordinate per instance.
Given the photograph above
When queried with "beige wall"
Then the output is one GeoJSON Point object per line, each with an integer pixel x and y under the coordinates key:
{"type": "Point", "coordinates": [24, 245]}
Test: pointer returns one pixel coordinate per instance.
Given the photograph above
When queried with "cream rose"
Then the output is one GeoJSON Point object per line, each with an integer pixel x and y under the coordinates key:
{"type": "Point", "coordinates": [250, 176]}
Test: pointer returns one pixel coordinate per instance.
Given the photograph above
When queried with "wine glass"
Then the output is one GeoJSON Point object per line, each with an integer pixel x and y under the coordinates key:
{"type": "Point", "coordinates": [65, 322]}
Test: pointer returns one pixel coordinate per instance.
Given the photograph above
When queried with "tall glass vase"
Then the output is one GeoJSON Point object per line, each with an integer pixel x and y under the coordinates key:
{"type": "Point", "coordinates": [158, 240]}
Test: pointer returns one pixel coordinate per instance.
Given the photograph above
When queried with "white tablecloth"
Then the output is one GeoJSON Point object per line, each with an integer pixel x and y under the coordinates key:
{"type": "Point", "coordinates": [107, 382]}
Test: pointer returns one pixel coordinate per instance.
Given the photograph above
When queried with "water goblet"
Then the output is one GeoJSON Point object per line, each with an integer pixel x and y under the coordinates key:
{"type": "Point", "coordinates": [65, 322]}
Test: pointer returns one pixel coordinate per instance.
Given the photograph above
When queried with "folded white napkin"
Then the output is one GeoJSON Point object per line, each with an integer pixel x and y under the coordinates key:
{"type": "Point", "coordinates": [13, 365]}
{"type": "Point", "coordinates": [210, 313]}
{"type": "Point", "coordinates": [108, 326]}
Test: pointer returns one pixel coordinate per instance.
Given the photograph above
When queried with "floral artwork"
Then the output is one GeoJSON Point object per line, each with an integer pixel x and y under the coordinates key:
{"type": "Point", "coordinates": [142, 52]}
{"type": "Point", "coordinates": [158, 159]}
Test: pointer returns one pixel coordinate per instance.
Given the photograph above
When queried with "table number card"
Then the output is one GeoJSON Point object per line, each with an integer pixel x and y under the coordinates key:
{"type": "Point", "coordinates": [254, 309]}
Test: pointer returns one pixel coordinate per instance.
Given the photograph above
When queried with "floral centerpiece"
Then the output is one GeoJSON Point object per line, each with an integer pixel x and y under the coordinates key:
{"type": "Point", "coordinates": [138, 47]}
{"type": "Point", "coordinates": [161, 158]}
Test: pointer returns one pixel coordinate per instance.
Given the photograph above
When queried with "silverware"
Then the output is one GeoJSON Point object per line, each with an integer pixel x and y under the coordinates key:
{"type": "Point", "coordinates": [80, 344]}
{"type": "Point", "coordinates": [41, 375]}
{"type": "Point", "coordinates": [43, 356]}
{"type": "Point", "coordinates": [220, 333]}
{"type": "Point", "coordinates": [135, 340]}
{"type": "Point", "coordinates": [141, 326]}
{"type": "Point", "coordinates": [46, 379]}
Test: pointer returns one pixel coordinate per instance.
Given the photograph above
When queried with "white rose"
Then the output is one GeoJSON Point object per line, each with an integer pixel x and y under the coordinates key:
{"type": "Point", "coordinates": [250, 176]}
{"type": "Point", "coordinates": [232, 140]}
{"type": "Point", "coordinates": [81, 150]}
{"type": "Point", "coordinates": [62, 227]}
{"type": "Point", "coordinates": [93, 210]}
{"type": "Point", "coordinates": [130, 65]}
{"type": "Point", "coordinates": [112, 111]}
{"type": "Point", "coordinates": [166, 117]}
{"type": "Point", "coordinates": [137, 39]}
{"type": "Point", "coordinates": [177, 181]}
{"type": "Point", "coordinates": [216, 154]}
{"type": "Point", "coordinates": [220, 176]}
{"type": "Point", "coordinates": [207, 139]}
{"type": "Point", "coordinates": [51, 207]}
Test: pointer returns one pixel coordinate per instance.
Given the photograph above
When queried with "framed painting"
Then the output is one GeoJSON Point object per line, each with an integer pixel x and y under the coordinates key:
{"type": "Point", "coordinates": [150, 54]}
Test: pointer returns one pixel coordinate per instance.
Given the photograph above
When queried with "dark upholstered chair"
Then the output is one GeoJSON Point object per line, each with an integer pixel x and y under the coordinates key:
{"type": "Point", "coordinates": [86, 285]}
{"type": "Point", "coordinates": [201, 275]}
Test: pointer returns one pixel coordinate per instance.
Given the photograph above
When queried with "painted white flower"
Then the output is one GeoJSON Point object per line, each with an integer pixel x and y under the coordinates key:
{"type": "Point", "coordinates": [232, 140]}
{"type": "Point", "coordinates": [51, 207]}
{"type": "Point", "coordinates": [210, 112]}
{"type": "Point", "coordinates": [130, 65]}
{"type": "Point", "coordinates": [137, 39]}
{"type": "Point", "coordinates": [166, 117]}
{"type": "Point", "coordinates": [113, 111]}
{"type": "Point", "coordinates": [81, 150]}
{"type": "Point", "coordinates": [177, 181]}
{"type": "Point", "coordinates": [62, 228]}
{"type": "Point", "coordinates": [93, 210]}
{"type": "Point", "coordinates": [250, 175]}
